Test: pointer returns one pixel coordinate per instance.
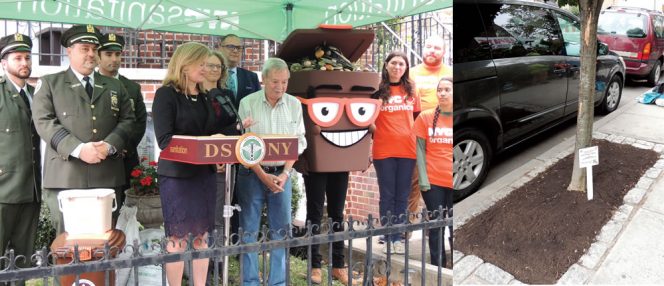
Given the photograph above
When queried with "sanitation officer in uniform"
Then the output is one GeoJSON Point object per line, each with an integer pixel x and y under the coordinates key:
{"type": "Point", "coordinates": [110, 58]}
{"type": "Point", "coordinates": [85, 119]}
{"type": "Point", "coordinates": [20, 175]}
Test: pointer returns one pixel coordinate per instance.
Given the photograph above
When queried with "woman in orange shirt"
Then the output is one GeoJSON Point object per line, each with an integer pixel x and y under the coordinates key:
{"type": "Point", "coordinates": [433, 129]}
{"type": "Point", "coordinates": [394, 141]}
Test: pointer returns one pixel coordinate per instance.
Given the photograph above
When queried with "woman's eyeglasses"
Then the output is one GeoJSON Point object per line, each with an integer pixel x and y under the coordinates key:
{"type": "Point", "coordinates": [233, 47]}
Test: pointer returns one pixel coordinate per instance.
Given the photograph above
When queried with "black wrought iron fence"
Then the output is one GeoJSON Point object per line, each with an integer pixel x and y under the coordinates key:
{"type": "Point", "coordinates": [366, 268]}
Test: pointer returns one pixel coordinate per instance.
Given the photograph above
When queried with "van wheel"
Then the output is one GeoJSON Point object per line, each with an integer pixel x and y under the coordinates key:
{"type": "Point", "coordinates": [472, 157]}
{"type": "Point", "coordinates": [655, 73]}
{"type": "Point", "coordinates": [611, 96]}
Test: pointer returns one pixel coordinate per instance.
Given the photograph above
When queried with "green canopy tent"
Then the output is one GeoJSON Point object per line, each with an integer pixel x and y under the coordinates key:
{"type": "Point", "coordinates": [260, 19]}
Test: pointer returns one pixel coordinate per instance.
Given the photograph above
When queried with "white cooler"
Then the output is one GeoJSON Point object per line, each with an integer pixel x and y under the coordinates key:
{"type": "Point", "coordinates": [87, 211]}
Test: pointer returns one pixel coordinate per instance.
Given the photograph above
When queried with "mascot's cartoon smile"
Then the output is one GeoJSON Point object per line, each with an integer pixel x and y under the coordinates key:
{"type": "Point", "coordinates": [344, 138]}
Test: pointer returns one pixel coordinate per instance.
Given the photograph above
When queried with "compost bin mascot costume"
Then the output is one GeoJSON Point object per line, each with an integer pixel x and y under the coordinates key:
{"type": "Point", "coordinates": [336, 146]}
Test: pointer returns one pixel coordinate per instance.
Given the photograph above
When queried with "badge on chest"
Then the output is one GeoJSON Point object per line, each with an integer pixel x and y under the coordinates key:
{"type": "Point", "coordinates": [114, 101]}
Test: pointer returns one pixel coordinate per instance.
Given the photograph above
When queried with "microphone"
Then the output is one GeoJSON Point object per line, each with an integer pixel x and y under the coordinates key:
{"type": "Point", "coordinates": [228, 106]}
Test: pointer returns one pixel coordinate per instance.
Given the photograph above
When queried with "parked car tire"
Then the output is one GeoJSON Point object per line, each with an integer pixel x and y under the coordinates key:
{"type": "Point", "coordinates": [655, 73]}
{"type": "Point", "coordinates": [472, 157]}
{"type": "Point", "coordinates": [612, 96]}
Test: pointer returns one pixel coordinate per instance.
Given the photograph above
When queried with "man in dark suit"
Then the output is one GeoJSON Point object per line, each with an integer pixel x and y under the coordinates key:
{"type": "Point", "coordinates": [20, 175]}
{"type": "Point", "coordinates": [85, 119]}
{"type": "Point", "coordinates": [110, 59]}
{"type": "Point", "coordinates": [241, 81]}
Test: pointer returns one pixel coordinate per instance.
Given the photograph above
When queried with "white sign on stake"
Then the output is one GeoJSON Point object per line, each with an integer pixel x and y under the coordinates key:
{"type": "Point", "coordinates": [589, 157]}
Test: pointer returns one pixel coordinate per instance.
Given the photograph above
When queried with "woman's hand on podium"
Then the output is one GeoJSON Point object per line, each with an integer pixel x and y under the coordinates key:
{"type": "Point", "coordinates": [221, 168]}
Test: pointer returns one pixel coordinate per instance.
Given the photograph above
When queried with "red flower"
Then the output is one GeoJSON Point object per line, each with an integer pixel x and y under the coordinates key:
{"type": "Point", "coordinates": [136, 173]}
{"type": "Point", "coordinates": [147, 181]}
{"type": "Point", "coordinates": [144, 178]}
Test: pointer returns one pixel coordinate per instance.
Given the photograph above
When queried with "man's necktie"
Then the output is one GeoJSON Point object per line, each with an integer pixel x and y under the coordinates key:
{"type": "Point", "coordinates": [231, 82]}
{"type": "Point", "coordinates": [88, 86]}
{"type": "Point", "coordinates": [25, 98]}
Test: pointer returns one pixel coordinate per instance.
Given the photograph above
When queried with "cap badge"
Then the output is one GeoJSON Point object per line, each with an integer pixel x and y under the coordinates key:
{"type": "Point", "coordinates": [111, 37]}
{"type": "Point", "coordinates": [18, 37]}
{"type": "Point", "coordinates": [91, 29]}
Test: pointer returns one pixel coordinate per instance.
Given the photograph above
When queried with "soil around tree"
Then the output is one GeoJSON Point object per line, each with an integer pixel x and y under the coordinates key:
{"type": "Point", "coordinates": [540, 229]}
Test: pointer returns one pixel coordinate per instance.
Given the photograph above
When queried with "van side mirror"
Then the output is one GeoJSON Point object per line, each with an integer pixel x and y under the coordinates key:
{"type": "Point", "coordinates": [602, 49]}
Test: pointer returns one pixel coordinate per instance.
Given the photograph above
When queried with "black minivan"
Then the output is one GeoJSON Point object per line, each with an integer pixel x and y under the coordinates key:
{"type": "Point", "coordinates": [516, 74]}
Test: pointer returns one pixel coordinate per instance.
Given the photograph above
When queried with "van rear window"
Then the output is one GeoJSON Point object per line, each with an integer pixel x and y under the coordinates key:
{"type": "Point", "coordinates": [625, 24]}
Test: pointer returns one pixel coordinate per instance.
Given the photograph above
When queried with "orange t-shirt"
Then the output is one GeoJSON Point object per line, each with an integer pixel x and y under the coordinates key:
{"type": "Point", "coordinates": [439, 150]}
{"type": "Point", "coordinates": [426, 81]}
{"type": "Point", "coordinates": [394, 136]}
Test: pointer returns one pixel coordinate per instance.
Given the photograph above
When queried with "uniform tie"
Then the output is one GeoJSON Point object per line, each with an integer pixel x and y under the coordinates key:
{"type": "Point", "coordinates": [25, 98]}
{"type": "Point", "coordinates": [88, 86]}
{"type": "Point", "coordinates": [231, 82]}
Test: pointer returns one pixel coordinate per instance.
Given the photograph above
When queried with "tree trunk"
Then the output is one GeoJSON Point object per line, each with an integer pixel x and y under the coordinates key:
{"type": "Point", "coordinates": [589, 11]}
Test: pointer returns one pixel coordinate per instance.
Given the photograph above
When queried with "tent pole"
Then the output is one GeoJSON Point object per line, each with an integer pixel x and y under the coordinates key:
{"type": "Point", "coordinates": [228, 212]}
{"type": "Point", "coordinates": [266, 51]}
{"type": "Point", "coordinates": [289, 18]}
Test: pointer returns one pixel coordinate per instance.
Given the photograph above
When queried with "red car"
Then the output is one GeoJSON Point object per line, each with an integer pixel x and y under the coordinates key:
{"type": "Point", "coordinates": [636, 34]}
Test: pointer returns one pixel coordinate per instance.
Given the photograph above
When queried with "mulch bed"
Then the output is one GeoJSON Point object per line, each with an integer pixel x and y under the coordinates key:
{"type": "Point", "coordinates": [540, 229]}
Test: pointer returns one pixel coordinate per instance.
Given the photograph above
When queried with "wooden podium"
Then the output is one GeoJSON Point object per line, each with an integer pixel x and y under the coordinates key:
{"type": "Point", "coordinates": [248, 149]}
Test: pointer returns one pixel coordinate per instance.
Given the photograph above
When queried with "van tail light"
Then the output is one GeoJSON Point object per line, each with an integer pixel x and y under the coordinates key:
{"type": "Point", "coordinates": [645, 53]}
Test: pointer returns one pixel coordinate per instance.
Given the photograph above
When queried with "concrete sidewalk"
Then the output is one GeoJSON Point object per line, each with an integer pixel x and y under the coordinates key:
{"type": "Point", "coordinates": [637, 257]}
{"type": "Point", "coordinates": [630, 247]}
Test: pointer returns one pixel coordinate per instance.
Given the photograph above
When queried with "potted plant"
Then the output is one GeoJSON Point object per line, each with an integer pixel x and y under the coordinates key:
{"type": "Point", "coordinates": [144, 194]}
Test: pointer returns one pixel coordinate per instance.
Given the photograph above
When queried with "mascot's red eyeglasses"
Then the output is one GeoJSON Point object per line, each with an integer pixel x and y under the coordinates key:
{"type": "Point", "coordinates": [326, 111]}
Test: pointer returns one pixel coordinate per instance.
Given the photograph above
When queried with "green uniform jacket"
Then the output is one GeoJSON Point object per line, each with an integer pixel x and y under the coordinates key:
{"type": "Point", "coordinates": [20, 175]}
{"type": "Point", "coordinates": [140, 114]}
{"type": "Point", "coordinates": [65, 117]}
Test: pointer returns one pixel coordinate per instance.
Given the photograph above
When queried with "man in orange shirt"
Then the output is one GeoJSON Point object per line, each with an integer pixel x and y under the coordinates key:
{"type": "Point", "coordinates": [433, 130]}
{"type": "Point", "coordinates": [426, 76]}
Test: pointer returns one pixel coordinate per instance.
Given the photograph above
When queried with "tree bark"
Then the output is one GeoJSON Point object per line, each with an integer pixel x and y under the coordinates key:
{"type": "Point", "coordinates": [589, 11]}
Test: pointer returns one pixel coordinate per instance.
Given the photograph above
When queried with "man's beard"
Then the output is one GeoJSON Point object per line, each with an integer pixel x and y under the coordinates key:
{"type": "Point", "coordinates": [20, 73]}
{"type": "Point", "coordinates": [432, 61]}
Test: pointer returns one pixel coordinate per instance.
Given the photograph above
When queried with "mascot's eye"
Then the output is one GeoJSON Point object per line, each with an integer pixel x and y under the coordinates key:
{"type": "Point", "coordinates": [325, 112]}
{"type": "Point", "coordinates": [363, 112]}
